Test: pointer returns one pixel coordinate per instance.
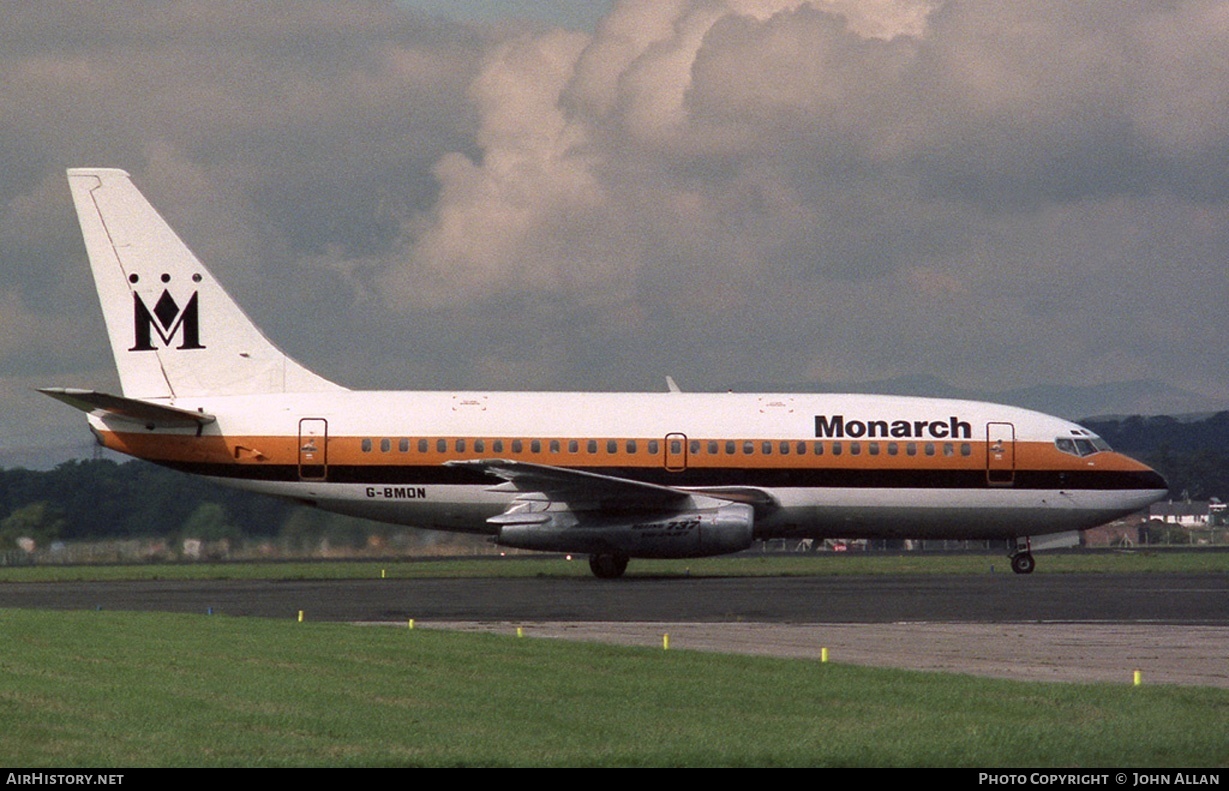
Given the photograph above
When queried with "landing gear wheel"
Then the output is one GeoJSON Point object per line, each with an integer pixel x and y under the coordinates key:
{"type": "Point", "coordinates": [1023, 563]}
{"type": "Point", "coordinates": [608, 567]}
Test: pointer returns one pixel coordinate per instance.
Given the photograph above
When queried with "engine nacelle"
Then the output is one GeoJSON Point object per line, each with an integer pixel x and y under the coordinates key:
{"type": "Point", "coordinates": [683, 534]}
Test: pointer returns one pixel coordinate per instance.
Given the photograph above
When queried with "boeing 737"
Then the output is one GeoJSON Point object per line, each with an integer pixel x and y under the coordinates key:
{"type": "Point", "coordinates": [611, 475]}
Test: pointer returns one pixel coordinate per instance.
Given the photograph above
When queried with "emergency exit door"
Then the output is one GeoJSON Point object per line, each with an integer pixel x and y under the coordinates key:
{"type": "Point", "coordinates": [676, 452]}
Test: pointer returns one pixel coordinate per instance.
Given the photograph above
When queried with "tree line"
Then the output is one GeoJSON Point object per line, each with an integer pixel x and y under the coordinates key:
{"type": "Point", "coordinates": [100, 499]}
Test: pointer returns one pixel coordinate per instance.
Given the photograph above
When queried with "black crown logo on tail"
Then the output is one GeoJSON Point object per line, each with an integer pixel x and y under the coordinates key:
{"type": "Point", "coordinates": [166, 321]}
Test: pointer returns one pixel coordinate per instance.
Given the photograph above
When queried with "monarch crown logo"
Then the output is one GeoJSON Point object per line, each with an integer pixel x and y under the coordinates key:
{"type": "Point", "coordinates": [165, 321]}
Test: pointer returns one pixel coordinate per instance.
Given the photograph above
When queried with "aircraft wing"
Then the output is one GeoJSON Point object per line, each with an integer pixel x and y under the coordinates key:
{"type": "Point", "coordinates": [588, 490]}
{"type": "Point", "coordinates": [131, 409]}
{"type": "Point", "coordinates": [575, 486]}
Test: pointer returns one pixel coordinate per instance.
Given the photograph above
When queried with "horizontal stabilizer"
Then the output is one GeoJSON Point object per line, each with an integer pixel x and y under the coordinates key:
{"type": "Point", "coordinates": [131, 409]}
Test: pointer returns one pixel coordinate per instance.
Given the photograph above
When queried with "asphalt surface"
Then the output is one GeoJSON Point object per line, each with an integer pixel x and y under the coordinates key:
{"type": "Point", "coordinates": [1171, 628]}
{"type": "Point", "coordinates": [995, 598]}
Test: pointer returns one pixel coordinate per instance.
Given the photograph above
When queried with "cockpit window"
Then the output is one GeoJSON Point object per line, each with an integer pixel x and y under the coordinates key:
{"type": "Point", "coordinates": [1084, 445]}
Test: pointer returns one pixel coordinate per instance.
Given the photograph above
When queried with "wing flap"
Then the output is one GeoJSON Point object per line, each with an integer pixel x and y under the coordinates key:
{"type": "Point", "coordinates": [576, 486]}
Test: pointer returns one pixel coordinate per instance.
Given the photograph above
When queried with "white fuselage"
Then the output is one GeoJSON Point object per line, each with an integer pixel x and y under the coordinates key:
{"type": "Point", "coordinates": [830, 465]}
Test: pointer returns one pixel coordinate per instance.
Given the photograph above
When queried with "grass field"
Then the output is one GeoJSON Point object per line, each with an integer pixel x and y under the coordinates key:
{"type": "Point", "coordinates": [746, 565]}
{"type": "Point", "coordinates": [109, 689]}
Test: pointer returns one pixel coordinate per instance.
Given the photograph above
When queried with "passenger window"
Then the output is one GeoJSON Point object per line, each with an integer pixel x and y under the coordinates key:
{"type": "Point", "coordinates": [631, 446]}
{"type": "Point", "coordinates": [386, 445]}
{"type": "Point", "coordinates": [911, 449]}
{"type": "Point", "coordinates": [930, 448]}
{"type": "Point", "coordinates": [819, 448]}
{"type": "Point", "coordinates": [612, 446]}
{"type": "Point", "coordinates": [441, 446]}
{"type": "Point", "coordinates": [893, 448]}
{"type": "Point", "coordinates": [535, 446]}
{"type": "Point", "coordinates": [766, 448]}
{"type": "Point", "coordinates": [855, 448]}
{"type": "Point", "coordinates": [802, 448]}
{"type": "Point", "coordinates": [479, 445]}
{"type": "Point", "coordinates": [873, 447]}
{"type": "Point", "coordinates": [554, 446]}
{"type": "Point", "coordinates": [422, 446]}
{"type": "Point", "coordinates": [498, 446]}
{"type": "Point", "coordinates": [366, 446]}
{"type": "Point", "coordinates": [403, 445]}
{"type": "Point", "coordinates": [784, 448]}
{"type": "Point", "coordinates": [694, 446]}
{"type": "Point", "coordinates": [517, 446]}
{"type": "Point", "coordinates": [729, 448]}
{"type": "Point", "coordinates": [836, 448]}
{"type": "Point", "coordinates": [460, 446]}
{"type": "Point", "coordinates": [966, 449]}
{"type": "Point", "coordinates": [573, 446]}
{"type": "Point", "coordinates": [712, 447]}
{"type": "Point", "coordinates": [654, 448]}
{"type": "Point", "coordinates": [591, 446]}
{"type": "Point", "coordinates": [748, 448]}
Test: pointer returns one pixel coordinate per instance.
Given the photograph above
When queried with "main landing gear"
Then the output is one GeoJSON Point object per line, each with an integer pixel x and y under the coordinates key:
{"type": "Point", "coordinates": [1022, 559]}
{"type": "Point", "coordinates": [608, 566]}
{"type": "Point", "coordinates": [1023, 563]}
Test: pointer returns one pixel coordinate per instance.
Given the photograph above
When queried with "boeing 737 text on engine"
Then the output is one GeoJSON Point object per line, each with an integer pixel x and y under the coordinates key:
{"type": "Point", "coordinates": [611, 475]}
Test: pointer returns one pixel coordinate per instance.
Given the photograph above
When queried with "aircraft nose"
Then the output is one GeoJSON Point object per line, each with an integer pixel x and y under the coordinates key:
{"type": "Point", "coordinates": [1154, 480]}
{"type": "Point", "coordinates": [1147, 478]}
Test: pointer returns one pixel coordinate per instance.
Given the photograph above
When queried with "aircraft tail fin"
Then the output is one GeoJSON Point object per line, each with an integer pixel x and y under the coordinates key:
{"type": "Point", "coordinates": [174, 331]}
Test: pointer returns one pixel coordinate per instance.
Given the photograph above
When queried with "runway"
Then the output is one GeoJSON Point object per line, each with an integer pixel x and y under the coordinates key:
{"type": "Point", "coordinates": [1174, 628]}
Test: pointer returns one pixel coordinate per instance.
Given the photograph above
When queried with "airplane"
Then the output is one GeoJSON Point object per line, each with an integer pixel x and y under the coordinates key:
{"type": "Point", "coordinates": [610, 475]}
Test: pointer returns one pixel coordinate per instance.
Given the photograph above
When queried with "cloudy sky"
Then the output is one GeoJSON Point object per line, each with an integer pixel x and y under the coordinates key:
{"type": "Point", "coordinates": [573, 195]}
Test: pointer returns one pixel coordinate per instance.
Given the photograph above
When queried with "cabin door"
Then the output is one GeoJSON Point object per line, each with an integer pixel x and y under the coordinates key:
{"type": "Point", "coordinates": [313, 449]}
{"type": "Point", "coordinates": [676, 452]}
{"type": "Point", "coordinates": [1000, 454]}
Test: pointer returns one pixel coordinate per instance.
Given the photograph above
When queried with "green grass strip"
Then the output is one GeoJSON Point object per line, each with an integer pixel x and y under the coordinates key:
{"type": "Point", "coordinates": [111, 689]}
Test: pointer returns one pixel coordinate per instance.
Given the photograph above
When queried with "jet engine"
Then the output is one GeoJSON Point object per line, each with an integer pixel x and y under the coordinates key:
{"type": "Point", "coordinates": [679, 534]}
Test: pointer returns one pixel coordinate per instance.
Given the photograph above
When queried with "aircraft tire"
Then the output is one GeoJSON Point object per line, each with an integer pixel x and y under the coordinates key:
{"type": "Point", "coordinates": [1023, 563]}
{"type": "Point", "coordinates": [608, 566]}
